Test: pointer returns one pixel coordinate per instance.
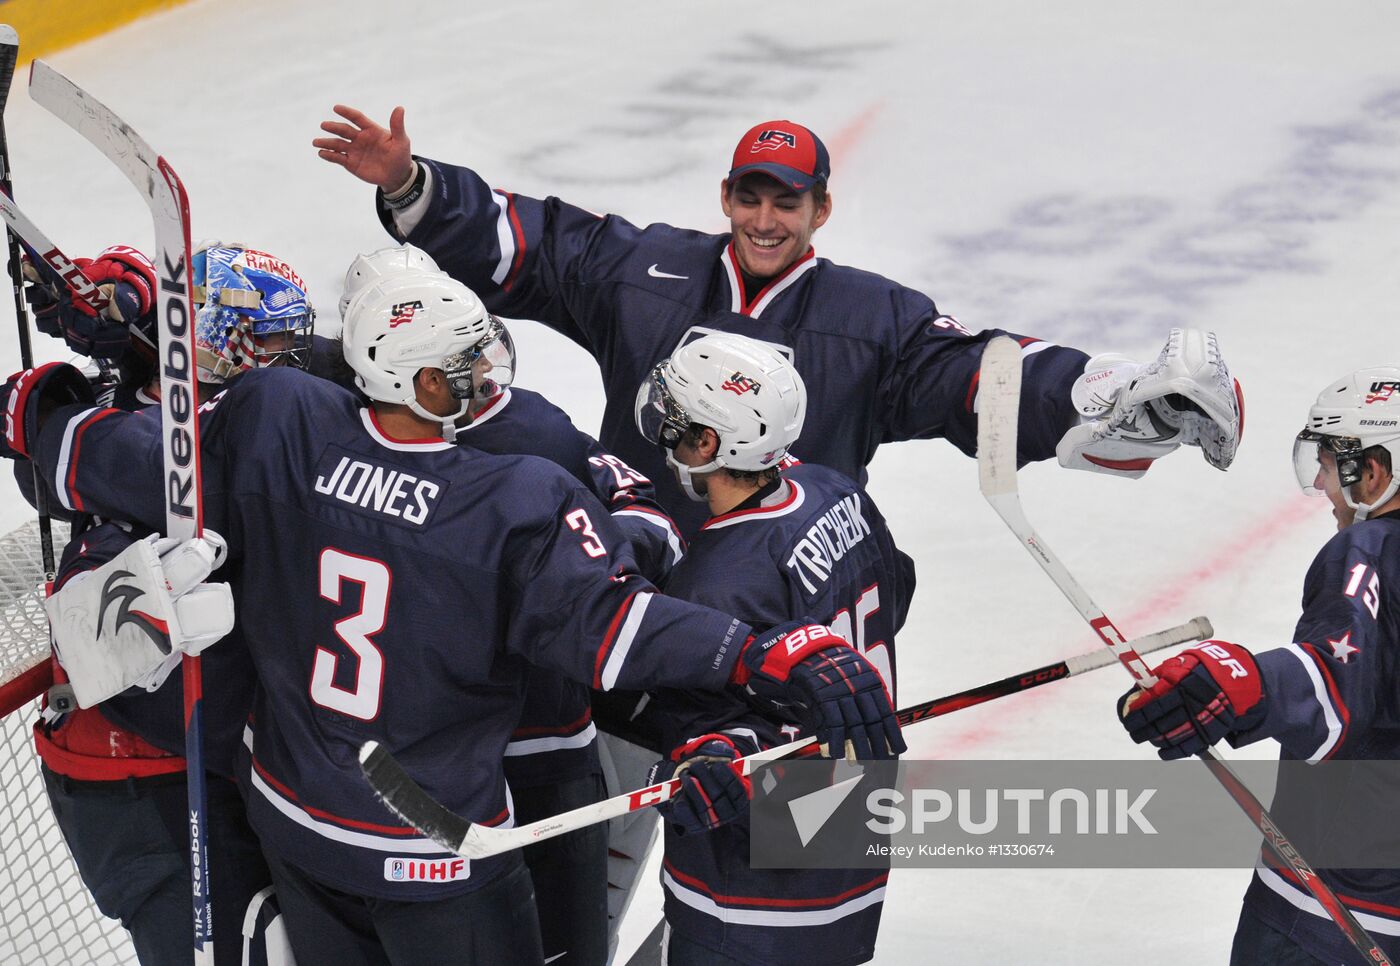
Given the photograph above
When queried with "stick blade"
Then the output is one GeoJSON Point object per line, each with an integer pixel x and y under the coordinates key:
{"type": "Point", "coordinates": [407, 799]}
{"type": "Point", "coordinates": [998, 408]}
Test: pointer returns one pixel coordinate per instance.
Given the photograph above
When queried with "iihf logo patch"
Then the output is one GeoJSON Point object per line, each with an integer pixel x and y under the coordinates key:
{"type": "Point", "coordinates": [739, 384]}
{"type": "Point", "coordinates": [403, 313]}
{"type": "Point", "coordinates": [396, 869]}
{"type": "Point", "coordinates": [773, 140]}
{"type": "Point", "coordinates": [1381, 392]}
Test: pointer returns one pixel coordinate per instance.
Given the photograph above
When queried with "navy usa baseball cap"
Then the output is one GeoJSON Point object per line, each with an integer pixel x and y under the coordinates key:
{"type": "Point", "coordinates": [783, 150]}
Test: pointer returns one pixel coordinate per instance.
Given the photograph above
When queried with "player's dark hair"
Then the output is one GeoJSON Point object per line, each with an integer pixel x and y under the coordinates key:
{"type": "Point", "coordinates": [760, 478]}
{"type": "Point", "coordinates": [1381, 455]}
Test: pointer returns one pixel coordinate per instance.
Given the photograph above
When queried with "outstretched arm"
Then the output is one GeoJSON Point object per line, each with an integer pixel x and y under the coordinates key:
{"type": "Point", "coordinates": [369, 152]}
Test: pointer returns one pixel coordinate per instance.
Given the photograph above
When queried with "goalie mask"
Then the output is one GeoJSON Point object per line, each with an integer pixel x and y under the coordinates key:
{"type": "Point", "coordinates": [410, 321]}
{"type": "Point", "coordinates": [744, 390]}
{"type": "Point", "coordinates": [252, 312]}
{"type": "Point", "coordinates": [1350, 416]}
{"type": "Point", "coordinates": [367, 269]}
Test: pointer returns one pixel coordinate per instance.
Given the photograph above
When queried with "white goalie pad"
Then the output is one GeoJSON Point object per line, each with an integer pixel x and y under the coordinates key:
{"type": "Point", "coordinates": [1135, 414]}
{"type": "Point", "coordinates": [129, 622]}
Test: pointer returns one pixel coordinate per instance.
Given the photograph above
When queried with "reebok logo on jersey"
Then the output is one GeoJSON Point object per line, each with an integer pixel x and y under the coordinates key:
{"type": "Point", "coordinates": [406, 869]}
{"type": "Point", "coordinates": [384, 491]}
{"type": "Point", "coordinates": [403, 313]}
{"type": "Point", "coordinates": [739, 384]}
{"type": "Point", "coordinates": [827, 541]}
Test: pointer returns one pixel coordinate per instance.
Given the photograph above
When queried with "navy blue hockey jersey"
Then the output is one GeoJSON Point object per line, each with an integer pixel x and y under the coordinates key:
{"type": "Point", "coordinates": [391, 590]}
{"type": "Point", "coordinates": [816, 547]}
{"type": "Point", "coordinates": [555, 739]}
{"type": "Point", "coordinates": [879, 361]}
{"type": "Point", "coordinates": [1333, 696]}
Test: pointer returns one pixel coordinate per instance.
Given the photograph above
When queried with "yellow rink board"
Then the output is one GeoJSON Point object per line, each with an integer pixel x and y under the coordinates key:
{"type": "Point", "coordinates": [45, 26]}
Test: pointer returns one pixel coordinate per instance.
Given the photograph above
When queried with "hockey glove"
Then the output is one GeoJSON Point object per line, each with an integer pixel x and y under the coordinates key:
{"type": "Point", "coordinates": [1210, 691]}
{"type": "Point", "coordinates": [29, 395]}
{"type": "Point", "coordinates": [129, 622]}
{"type": "Point", "coordinates": [1133, 414]}
{"type": "Point", "coordinates": [125, 276]}
{"type": "Point", "coordinates": [712, 793]}
{"type": "Point", "coordinates": [804, 669]}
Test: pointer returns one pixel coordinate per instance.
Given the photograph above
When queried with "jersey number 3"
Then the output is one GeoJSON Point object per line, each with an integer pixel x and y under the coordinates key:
{"type": "Point", "coordinates": [355, 632]}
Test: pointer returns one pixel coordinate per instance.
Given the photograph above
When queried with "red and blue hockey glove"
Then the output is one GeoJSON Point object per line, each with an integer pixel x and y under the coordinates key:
{"type": "Point", "coordinates": [804, 669]}
{"type": "Point", "coordinates": [712, 793]}
{"type": "Point", "coordinates": [30, 393]}
{"type": "Point", "coordinates": [125, 276]}
{"type": "Point", "coordinates": [1207, 692]}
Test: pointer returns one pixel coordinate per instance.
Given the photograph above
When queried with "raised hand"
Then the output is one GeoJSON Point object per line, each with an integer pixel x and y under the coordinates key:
{"type": "Point", "coordinates": [368, 151]}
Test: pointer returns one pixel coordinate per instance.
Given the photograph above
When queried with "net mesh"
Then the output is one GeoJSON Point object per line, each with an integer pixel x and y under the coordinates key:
{"type": "Point", "coordinates": [48, 916]}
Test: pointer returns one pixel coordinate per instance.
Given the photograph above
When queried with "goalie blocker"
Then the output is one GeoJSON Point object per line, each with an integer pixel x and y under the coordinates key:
{"type": "Point", "coordinates": [130, 622]}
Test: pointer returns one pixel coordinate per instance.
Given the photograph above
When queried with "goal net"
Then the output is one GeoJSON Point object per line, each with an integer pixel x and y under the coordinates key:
{"type": "Point", "coordinates": [48, 917]}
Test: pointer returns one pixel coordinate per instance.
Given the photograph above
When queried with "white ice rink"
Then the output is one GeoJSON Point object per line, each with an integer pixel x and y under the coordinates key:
{"type": "Point", "coordinates": [1088, 172]}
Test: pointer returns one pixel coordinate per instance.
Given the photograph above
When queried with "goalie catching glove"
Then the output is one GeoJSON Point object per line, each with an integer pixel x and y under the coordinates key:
{"type": "Point", "coordinates": [129, 622]}
{"type": "Point", "coordinates": [1133, 414]}
{"type": "Point", "coordinates": [803, 669]}
{"type": "Point", "coordinates": [1207, 692]}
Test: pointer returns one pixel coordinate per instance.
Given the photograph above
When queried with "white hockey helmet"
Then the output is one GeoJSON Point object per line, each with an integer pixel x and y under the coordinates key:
{"type": "Point", "coordinates": [743, 389]}
{"type": "Point", "coordinates": [402, 323]}
{"type": "Point", "coordinates": [1350, 416]}
{"type": "Point", "coordinates": [369, 268]}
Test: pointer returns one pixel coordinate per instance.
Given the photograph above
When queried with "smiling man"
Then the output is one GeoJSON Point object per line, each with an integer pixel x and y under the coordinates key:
{"type": "Point", "coordinates": [880, 361]}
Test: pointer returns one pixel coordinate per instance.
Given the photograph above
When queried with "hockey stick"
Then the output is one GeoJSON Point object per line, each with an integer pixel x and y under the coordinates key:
{"type": "Point", "coordinates": [999, 397]}
{"type": "Point", "coordinates": [160, 186]}
{"type": "Point", "coordinates": [48, 253]}
{"type": "Point", "coordinates": [406, 799]}
{"type": "Point", "coordinates": [9, 54]}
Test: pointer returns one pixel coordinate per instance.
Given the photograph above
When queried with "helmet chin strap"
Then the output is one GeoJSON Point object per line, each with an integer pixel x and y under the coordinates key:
{"type": "Point", "coordinates": [449, 422]}
{"type": "Point", "coordinates": [1363, 510]}
{"type": "Point", "coordinates": [684, 474]}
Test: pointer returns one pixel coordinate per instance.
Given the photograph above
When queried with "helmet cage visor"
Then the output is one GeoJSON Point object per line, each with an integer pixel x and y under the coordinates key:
{"type": "Point", "coordinates": [486, 369]}
{"type": "Point", "coordinates": [283, 341]}
{"type": "Point", "coordinates": [1307, 459]}
{"type": "Point", "coordinates": [660, 419]}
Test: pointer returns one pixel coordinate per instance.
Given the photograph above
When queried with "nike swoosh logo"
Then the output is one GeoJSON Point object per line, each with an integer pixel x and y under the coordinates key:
{"type": "Point", "coordinates": [654, 272]}
{"type": "Point", "coordinates": [565, 952]}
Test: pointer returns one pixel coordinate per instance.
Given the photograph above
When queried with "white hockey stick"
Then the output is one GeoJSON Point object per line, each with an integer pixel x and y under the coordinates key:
{"type": "Point", "coordinates": [164, 194]}
{"type": "Point", "coordinates": [999, 405]}
{"type": "Point", "coordinates": [406, 799]}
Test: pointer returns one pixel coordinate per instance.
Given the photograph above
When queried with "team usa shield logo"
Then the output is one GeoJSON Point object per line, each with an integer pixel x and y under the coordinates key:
{"type": "Point", "coordinates": [773, 140]}
{"type": "Point", "coordinates": [739, 384]}
{"type": "Point", "coordinates": [403, 313]}
{"type": "Point", "coordinates": [1382, 392]}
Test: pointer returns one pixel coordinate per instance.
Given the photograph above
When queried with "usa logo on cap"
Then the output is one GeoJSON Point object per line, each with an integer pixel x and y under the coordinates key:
{"type": "Point", "coordinates": [787, 152]}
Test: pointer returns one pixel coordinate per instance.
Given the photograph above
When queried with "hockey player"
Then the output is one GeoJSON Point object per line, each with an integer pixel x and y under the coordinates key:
{"type": "Point", "coordinates": [884, 362]}
{"type": "Point", "coordinates": [118, 764]}
{"type": "Point", "coordinates": [783, 541]}
{"type": "Point", "coordinates": [1329, 695]}
{"type": "Point", "coordinates": [552, 761]}
{"type": "Point", "coordinates": [352, 520]}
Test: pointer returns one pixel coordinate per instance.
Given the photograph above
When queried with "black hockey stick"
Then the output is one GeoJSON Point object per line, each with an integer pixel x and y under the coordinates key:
{"type": "Point", "coordinates": [164, 194]}
{"type": "Point", "coordinates": [999, 404]}
{"type": "Point", "coordinates": [9, 55]}
{"type": "Point", "coordinates": [406, 799]}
